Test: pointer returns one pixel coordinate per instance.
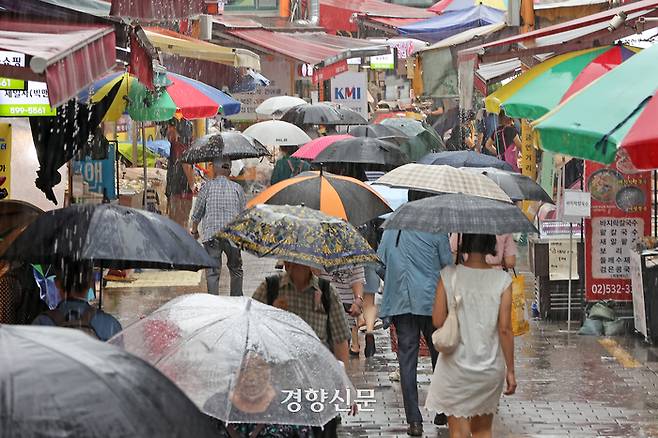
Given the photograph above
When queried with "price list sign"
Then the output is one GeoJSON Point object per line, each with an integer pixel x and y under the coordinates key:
{"type": "Point", "coordinates": [621, 212]}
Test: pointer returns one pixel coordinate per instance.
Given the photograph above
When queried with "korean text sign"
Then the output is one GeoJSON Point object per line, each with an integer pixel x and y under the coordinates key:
{"type": "Point", "coordinates": [621, 214]}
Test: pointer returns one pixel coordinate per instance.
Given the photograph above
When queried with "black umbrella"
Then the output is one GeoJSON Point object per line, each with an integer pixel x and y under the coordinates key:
{"type": "Point", "coordinates": [59, 382]}
{"type": "Point", "coordinates": [464, 159]}
{"type": "Point", "coordinates": [110, 236]}
{"type": "Point", "coordinates": [363, 150]}
{"type": "Point", "coordinates": [350, 117]}
{"type": "Point", "coordinates": [312, 114]}
{"type": "Point", "coordinates": [232, 145]}
{"type": "Point", "coordinates": [518, 187]}
{"type": "Point", "coordinates": [457, 213]}
{"type": "Point", "coordinates": [382, 132]}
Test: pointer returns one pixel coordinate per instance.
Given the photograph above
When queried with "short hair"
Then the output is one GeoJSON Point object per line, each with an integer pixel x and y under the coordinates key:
{"type": "Point", "coordinates": [75, 276]}
{"type": "Point", "coordinates": [221, 163]}
{"type": "Point", "coordinates": [478, 243]}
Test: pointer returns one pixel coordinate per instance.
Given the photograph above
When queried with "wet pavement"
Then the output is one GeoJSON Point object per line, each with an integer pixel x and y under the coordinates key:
{"type": "Point", "coordinates": [569, 385]}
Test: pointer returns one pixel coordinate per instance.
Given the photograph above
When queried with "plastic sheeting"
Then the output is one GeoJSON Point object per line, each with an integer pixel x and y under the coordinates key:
{"type": "Point", "coordinates": [60, 382]}
{"type": "Point", "coordinates": [452, 23]}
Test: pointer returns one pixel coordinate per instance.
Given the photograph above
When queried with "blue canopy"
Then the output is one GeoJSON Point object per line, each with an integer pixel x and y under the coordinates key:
{"type": "Point", "coordinates": [452, 22]}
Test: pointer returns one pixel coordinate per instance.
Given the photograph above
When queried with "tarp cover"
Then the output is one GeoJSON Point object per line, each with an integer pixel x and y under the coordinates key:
{"type": "Point", "coordinates": [451, 23]}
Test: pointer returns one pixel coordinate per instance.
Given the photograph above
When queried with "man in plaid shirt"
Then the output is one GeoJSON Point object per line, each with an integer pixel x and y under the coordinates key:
{"type": "Point", "coordinates": [219, 202]}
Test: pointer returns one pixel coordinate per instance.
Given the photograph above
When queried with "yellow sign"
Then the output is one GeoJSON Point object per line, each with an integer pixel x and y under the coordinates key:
{"type": "Point", "coordinates": [5, 159]}
{"type": "Point", "coordinates": [528, 152]}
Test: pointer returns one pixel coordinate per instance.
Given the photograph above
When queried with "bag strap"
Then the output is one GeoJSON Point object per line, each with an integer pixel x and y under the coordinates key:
{"type": "Point", "coordinates": [272, 282]}
{"type": "Point", "coordinates": [57, 317]}
{"type": "Point", "coordinates": [325, 288]}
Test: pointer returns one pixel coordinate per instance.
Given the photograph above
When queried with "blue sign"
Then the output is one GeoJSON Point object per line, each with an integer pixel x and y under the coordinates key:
{"type": "Point", "coordinates": [99, 174]}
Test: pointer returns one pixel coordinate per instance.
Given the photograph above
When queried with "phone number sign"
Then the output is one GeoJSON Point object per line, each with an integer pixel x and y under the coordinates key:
{"type": "Point", "coordinates": [621, 215]}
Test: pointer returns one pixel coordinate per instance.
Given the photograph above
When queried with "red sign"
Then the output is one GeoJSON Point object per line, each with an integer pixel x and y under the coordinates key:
{"type": "Point", "coordinates": [329, 71]}
{"type": "Point", "coordinates": [621, 214]}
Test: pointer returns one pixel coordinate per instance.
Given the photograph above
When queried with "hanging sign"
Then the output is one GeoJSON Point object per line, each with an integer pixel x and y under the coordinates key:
{"type": "Point", "coordinates": [26, 103]}
{"type": "Point", "coordinates": [558, 259]}
{"type": "Point", "coordinates": [528, 152]}
{"type": "Point", "coordinates": [99, 174]}
{"type": "Point", "coordinates": [350, 90]}
{"type": "Point", "coordinates": [5, 160]}
{"type": "Point", "coordinates": [621, 215]}
{"type": "Point", "coordinates": [15, 59]}
{"type": "Point", "coordinates": [327, 72]}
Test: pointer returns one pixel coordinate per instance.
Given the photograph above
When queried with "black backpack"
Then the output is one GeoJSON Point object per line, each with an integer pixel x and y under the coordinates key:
{"type": "Point", "coordinates": [325, 286]}
{"type": "Point", "coordinates": [74, 320]}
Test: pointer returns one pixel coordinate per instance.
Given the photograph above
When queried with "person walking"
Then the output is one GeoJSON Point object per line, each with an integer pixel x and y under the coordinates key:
{"type": "Point", "coordinates": [413, 262]}
{"type": "Point", "coordinates": [505, 257]}
{"type": "Point", "coordinates": [220, 200]}
{"type": "Point", "coordinates": [180, 177]}
{"type": "Point", "coordinates": [505, 143]}
{"type": "Point", "coordinates": [287, 166]}
{"type": "Point", "coordinates": [468, 382]}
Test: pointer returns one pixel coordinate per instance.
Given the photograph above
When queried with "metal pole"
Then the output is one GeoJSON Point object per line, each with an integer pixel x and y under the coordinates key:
{"type": "Point", "coordinates": [655, 204]}
{"type": "Point", "coordinates": [144, 163]}
{"type": "Point", "coordinates": [570, 274]}
{"type": "Point", "coordinates": [100, 289]}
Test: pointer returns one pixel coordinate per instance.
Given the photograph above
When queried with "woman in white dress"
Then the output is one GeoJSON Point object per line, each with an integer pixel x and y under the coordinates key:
{"type": "Point", "coordinates": [467, 383]}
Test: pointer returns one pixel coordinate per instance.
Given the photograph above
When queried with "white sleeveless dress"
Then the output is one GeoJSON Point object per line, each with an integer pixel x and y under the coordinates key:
{"type": "Point", "coordinates": [469, 381]}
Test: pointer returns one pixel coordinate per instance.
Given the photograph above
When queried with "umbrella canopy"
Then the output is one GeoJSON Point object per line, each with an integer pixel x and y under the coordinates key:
{"type": "Point", "coordinates": [186, 97]}
{"type": "Point", "coordinates": [383, 132]}
{"type": "Point", "coordinates": [459, 213]}
{"type": "Point", "coordinates": [458, 5]}
{"type": "Point", "coordinates": [540, 89]}
{"type": "Point", "coordinates": [312, 114]}
{"type": "Point", "coordinates": [14, 217]}
{"type": "Point", "coordinates": [236, 358]}
{"type": "Point", "coordinates": [300, 235]}
{"type": "Point", "coordinates": [394, 197]}
{"type": "Point", "coordinates": [278, 104]}
{"type": "Point", "coordinates": [61, 382]}
{"type": "Point", "coordinates": [350, 117]}
{"type": "Point", "coordinates": [422, 144]}
{"type": "Point", "coordinates": [339, 196]}
{"type": "Point", "coordinates": [277, 133]}
{"type": "Point", "coordinates": [518, 187]}
{"type": "Point", "coordinates": [111, 236]}
{"type": "Point", "coordinates": [442, 179]}
{"type": "Point", "coordinates": [465, 159]}
{"type": "Point", "coordinates": [364, 150]}
{"type": "Point", "coordinates": [410, 127]}
{"type": "Point", "coordinates": [619, 110]}
{"type": "Point", "coordinates": [311, 149]}
{"type": "Point", "coordinates": [232, 145]}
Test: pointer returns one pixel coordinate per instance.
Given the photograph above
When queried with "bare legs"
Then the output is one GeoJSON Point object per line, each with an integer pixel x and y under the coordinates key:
{"type": "Point", "coordinates": [476, 427]}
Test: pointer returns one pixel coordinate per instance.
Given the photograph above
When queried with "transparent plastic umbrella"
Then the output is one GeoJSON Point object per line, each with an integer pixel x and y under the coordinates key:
{"type": "Point", "coordinates": [242, 361]}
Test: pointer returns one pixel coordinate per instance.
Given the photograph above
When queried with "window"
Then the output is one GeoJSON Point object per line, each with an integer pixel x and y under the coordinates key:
{"type": "Point", "coordinates": [263, 5]}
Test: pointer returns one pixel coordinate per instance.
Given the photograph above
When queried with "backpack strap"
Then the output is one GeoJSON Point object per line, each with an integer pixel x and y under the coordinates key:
{"type": "Point", "coordinates": [56, 316]}
{"type": "Point", "coordinates": [325, 287]}
{"type": "Point", "coordinates": [272, 288]}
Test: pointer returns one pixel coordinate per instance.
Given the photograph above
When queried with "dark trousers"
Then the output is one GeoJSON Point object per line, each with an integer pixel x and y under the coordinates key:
{"type": "Point", "coordinates": [409, 328]}
{"type": "Point", "coordinates": [215, 248]}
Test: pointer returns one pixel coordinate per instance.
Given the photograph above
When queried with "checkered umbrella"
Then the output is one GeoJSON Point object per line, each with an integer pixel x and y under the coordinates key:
{"type": "Point", "coordinates": [442, 179]}
{"type": "Point", "coordinates": [459, 213]}
{"type": "Point", "coordinates": [518, 187]}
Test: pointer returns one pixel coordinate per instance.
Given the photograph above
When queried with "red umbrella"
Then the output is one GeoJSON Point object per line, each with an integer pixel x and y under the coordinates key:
{"type": "Point", "coordinates": [311, 149]}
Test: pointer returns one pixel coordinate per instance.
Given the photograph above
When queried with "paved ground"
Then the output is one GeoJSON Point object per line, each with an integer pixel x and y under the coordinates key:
{"type": "Point", "coordinates": [568, 385]}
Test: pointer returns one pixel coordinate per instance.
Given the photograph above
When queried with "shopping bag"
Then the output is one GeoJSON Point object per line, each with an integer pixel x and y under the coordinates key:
{"type": "Point", "coordinates": [520, 324]}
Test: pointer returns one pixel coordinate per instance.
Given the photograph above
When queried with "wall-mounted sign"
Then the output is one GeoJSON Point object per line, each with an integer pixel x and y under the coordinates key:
{"type": "Point", "coordinates": [382, 62]}
{"type": "Point", "coordinates": [327, 72]}
{"type": "Point", "coordinates": [5, 160]}
{"type": "Point", "coordinates": [305, 70]}
{"type": "Point", "coordinates": [350, 90]}
{"type": "Point", "coordinates": [15, 59]}
{"type": "Point", "coordinates": [26, 103]}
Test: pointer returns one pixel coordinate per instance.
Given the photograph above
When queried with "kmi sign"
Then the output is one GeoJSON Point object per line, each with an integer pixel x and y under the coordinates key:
{"type": "Point", "coordinates": [349, 90]}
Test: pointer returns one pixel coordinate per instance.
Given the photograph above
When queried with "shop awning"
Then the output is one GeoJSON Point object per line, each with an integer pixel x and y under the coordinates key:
{"type": "Point", "coordinates": [392, 23]}
{"type": "Point", "coordinates": [175, 43]}
{"type": "Point", "coordinates": [336, 15]}
{"type": "Point", "coordinates": [307, 47]}
{"type": "Point", "coordinates": [161, 10]}
{"type": "Point", "coordinates": [67, 57]}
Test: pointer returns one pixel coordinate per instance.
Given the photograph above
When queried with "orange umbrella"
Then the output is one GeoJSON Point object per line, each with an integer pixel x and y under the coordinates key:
{"type": "Point", "coordinates": [338, 196]}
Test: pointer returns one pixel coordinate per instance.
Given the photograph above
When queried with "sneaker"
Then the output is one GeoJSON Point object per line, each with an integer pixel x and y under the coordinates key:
{"type": "Point", "coordinates": [415, 429]}
{"type": "Point", "coordinates": [370, 349]}
{"type": "Point", "coordinates": [394, 375]}
{"type": "Point", "coordinates": [440, 419]}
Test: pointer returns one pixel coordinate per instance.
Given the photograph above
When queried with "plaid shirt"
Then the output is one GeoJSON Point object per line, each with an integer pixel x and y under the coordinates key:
{"type": "Point", "coordinates": [220, 200]}
{"type": "Point", "coordinates": [308, 306]}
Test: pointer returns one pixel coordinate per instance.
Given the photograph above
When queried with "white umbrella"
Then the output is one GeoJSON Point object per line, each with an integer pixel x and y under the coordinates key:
{"type": "Point", "coordinates": [278, 104]}
{"type": "Point", "coordinates": [277, 133]}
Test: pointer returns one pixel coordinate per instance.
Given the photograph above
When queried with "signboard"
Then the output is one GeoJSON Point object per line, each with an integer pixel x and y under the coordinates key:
{"type": "Point", "coordinates": [16, 59]}
{"type": "Point", "coordinates": [350, 90]}
{"type": "Point", "coordinates": [5, 160]}
{"type": "Point", "coordinates": [278, 72]}
{"type": "Point", "coordinates": [574, 206]}
{"type": "Point", "coordinates": [99, 174]}
{"type": "Point", "coordinates": [26, 103]}
{"type": "Point", "coordinates": [550, 228]}
{"type": "Point", "coordinates": [382, 62]}
{"type": "Point", "coordinates": [621, 214]}
{"type": "Point", "coordinates": [558, 260]}
{"type": "Point", "coordinates": [528, 153]}
{"type": "Point", "coordinates": [639, 309]}
{"type": "Point", "coordinates": [330, 71]}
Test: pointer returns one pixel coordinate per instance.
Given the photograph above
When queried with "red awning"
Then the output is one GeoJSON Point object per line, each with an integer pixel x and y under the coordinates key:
{"type": "Point", "coordinates": [335, 15]}
{"type": "Point", "coordinates": [161, 10]}
{"type": "Point", "coordinates": [67, 57]}
{"type": "Point", "coordinates": [393, 22]}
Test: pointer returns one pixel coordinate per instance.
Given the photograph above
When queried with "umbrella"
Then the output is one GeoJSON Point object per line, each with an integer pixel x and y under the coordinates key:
{"type": "Point", "coordinates": [518, 187]}
{"type": "Point", "coordinates": [312, 114]}
{"type": "Point", "coordinates": [278, 104]}
{"type": "Point", "coordinates": [110, 236]}
{"type": "Point", "coordinates": [311, 149]}
{"type": "Point", "coordinates": [232, 145]}
{"type": "Point", "coordinates": [422, 144]}
{"type": "Point", "coordinates": [617, 111]}
{"type": "Point", "coordinates": [186, 97]}
{"type": "Point", "coordinates": [442, 179]}
{"type": "Point", "coordinates": [225, 352]}
{"type": "Point", "coordinates": [459, 213]}
{"type": "Point", "coordinates": [540, 89]}
{"type": "Point", "coordinates": [300, 235]}
{"type": "Point", "coordinates": [277, 133]}
{"type": "Point", "coordinates": [382, 132]}
{"type": "Point", "coordinates": [410, 127]}
{"type": "Point", "coordinates": [350, 117]}
{"type": "Point", "coordinates": [464, 159]}
{"type": "Point", "coordinates": [340, 196]}
{"type": "Point", "coordinates": [394, 197]}
{"type": "Point", "coordinates": [14, 217]}
{"type": "Point", "coordinates": [363, 150]}
{"type": "Point", "coordinates": [61, 382]}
